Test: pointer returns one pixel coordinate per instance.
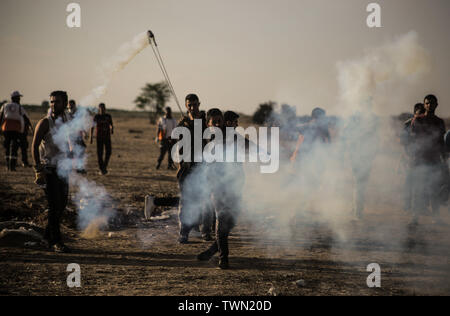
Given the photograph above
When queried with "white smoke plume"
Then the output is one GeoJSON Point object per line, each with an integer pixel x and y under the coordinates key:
{"type": "Point", "coordinates": [92, 200]}
{"type": "Point", "coordinates": [328, 182]}
{"type": "Point", "coordinates": [389, 68]}
{"type": "Point", "coordinates": [114, 64]}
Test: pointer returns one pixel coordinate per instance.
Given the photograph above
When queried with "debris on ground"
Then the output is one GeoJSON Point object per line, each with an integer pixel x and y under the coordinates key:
{"type": "Point", "coordinates": [300, 283]}
{"type": "Point", "coordinates": [272, 291]}
{"type": "Point", "coordinates": [19, 237]}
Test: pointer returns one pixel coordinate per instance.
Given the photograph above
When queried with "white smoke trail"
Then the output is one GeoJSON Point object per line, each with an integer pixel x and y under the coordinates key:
{"type": "Point", "coordinates": [116, 63]}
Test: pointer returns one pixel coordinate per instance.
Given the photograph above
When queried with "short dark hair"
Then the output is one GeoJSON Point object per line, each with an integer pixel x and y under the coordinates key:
{"type": "Point", "coordinates": [192, 97]}
{"type": "Point", "coordinates": [318, 112]}
{"type": "Point", "coordinates": [72, 101]}
{"type": "Point", "coordinates": [213, 112]}
{"type": "Point", "coordinates": [431, 98]}
{"type": "Point", "coordinates": [230, 116]}
{"type": "Point", "coordinates": [62, 94]}
{"type": "Point", "coordinates": [168, 109]}
{"type": "Point", "coordinates": [102, 105]}
{"type": "Point", "coordinates": [419, 107]}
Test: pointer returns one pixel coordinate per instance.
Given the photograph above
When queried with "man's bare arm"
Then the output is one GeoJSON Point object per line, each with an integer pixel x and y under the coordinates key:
{"type": "Point", "coordinates": [41, 129]}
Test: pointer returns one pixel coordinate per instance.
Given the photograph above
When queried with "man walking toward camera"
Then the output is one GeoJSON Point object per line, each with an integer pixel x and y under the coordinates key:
{"type": "Point", "coordinates": [12, 126]}
{"type": "Point", "coordinates": [189, 213]}
{"type": "Point", "coordinates": [166, 125]}
{"type": "Point", "coordinates": [46, 156]}
{"type": "Point", "coordinates": [104, 129]}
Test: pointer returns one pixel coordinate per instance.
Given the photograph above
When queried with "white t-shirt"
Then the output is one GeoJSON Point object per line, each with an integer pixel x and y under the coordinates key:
{"type": "Point", "coordinates": [14, 111]}
{"type": "Point", "coordinates": [167, 125]}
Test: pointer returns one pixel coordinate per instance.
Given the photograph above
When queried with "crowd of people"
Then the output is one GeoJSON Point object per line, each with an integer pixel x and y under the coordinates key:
{"type": "Point", "coordinates": [424, 139]}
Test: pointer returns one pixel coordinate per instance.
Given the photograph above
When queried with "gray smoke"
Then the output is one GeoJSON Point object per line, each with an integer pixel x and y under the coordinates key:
{"type": "Point", "coordinates": [329, 182]}
{"type": "Point", "coordinates": [92, 200]}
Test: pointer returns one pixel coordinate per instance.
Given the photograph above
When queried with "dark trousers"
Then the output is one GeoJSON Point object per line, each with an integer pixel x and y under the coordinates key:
{"type": "Point", "coordinates": [79, 154]}
{"type": "Point", "coordinates": [428, 180]}
{"type": "Point", "coordinates": [103, 143]}
{"type": "Point", "coordinates": [11, 144]}
{"type": "Point", "coordinates": [57, 192]}
{"type": "Point", "coordinates": [24, 147]}
{"type": "Point", "coordinates": [165, 147]}
{"type": "Point", "coordinates": [226, 206]}
{"type": "Point", "coordinates": [208, 218]}
{"type": "Point", "coordinates": [191, 197]}
{"type": "Point", "coordinates": [408, 193]}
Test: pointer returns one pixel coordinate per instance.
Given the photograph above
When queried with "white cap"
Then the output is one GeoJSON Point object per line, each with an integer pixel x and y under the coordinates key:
{"type": "Point", "coordinates": [16, 94]}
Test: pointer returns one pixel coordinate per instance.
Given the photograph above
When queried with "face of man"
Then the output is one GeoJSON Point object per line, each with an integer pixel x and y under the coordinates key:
{"type": "Point", "coordinates": [233, 123]}
{"type": "Point", "coordinates": [101, 109]}
{"type": "Point", "coordinates": [215, 121]}
{"type": "Point", "coordinates": [430, 106]}
{"type": "Point", "coordinates": [193, 108]}
{"type": "Point", "coordinates": [72, 107]}
{"type": "Point", "coordinates": [57, 105]}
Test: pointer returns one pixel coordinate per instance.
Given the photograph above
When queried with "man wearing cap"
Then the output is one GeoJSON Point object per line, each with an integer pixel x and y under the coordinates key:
{"type": "Point", "coordinates": [11, 121]}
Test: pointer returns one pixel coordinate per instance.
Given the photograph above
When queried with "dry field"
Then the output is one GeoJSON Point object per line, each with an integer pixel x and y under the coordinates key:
{"type": "Point", "coordinates": [145, 259]}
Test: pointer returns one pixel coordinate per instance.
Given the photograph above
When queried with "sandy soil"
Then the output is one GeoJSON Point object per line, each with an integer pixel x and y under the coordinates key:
{"type": "Point", "coordinates": [145, 258]}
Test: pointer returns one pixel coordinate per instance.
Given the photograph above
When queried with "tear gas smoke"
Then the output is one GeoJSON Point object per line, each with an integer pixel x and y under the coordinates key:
{"type": "Point", "coordinates": [331, 182]}
{"type": "Point", "coordinates": [116, 63]}
{"type": "Point", "coordinates": [383, 73]}
{"type": "Point", "coordinates": [92, 200]}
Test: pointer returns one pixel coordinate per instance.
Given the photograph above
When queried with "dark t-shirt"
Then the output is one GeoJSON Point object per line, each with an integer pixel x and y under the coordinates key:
{"type": "Point", "coordinates": [428, 140]}
{"type": "Point", "coordinates": [103, 123]}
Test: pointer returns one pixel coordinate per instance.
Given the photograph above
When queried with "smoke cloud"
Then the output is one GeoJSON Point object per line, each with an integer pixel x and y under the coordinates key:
{"type": "Point", "coordinates": [330, 183]}
{"type": "Point", "coordinates": [116, 63]}
{"type": "Point", "coordinates": [93, 202]}
{"type": "Point", "coordinates": [382, 75]}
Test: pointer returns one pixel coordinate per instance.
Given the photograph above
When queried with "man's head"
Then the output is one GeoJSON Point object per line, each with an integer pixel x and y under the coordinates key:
{"type": "Point", "coordinates": [72, 106]}
{"type": "Point", "coordinates": [231, 119]}
{"type": "Point", "coordinates": [168, 112]}
{"type": "Point", "coordinates": [15, 97]}
{"type": "Point", "coordinates": [101, 108]}
{"type": "Point", "coordinates": [317, 113]}
{"type": "Point", "coordinates": [192, 105]}
{"type": "Point", "coordinates": [58, 102]}
{"type": "Point", "coordinates": [214, 118]}
{"type": "Point", "coordinates": [419, 108]}
{"type": "Point", "coordinates": [431, 103]}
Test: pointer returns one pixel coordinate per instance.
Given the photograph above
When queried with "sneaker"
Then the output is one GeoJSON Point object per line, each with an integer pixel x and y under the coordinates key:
{"type": "Point", "coordinates": [204, 256]}
{"type": "Point", "coordinates": [61, 248]}
{"type": "Point", "coordinates": [183, 239]}
{"type": "Point", "coordinates": [158, 166]}
{"type": "Point", "coordinates": [223, 264]}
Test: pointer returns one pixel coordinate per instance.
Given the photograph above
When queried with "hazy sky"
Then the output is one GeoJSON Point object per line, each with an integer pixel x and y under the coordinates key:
{"type": "Point", "coordinates": [234, 54]}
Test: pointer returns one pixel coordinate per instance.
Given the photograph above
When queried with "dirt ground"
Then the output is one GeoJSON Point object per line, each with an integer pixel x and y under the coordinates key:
{"type": "Point", "coordinates": [144, 258]}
